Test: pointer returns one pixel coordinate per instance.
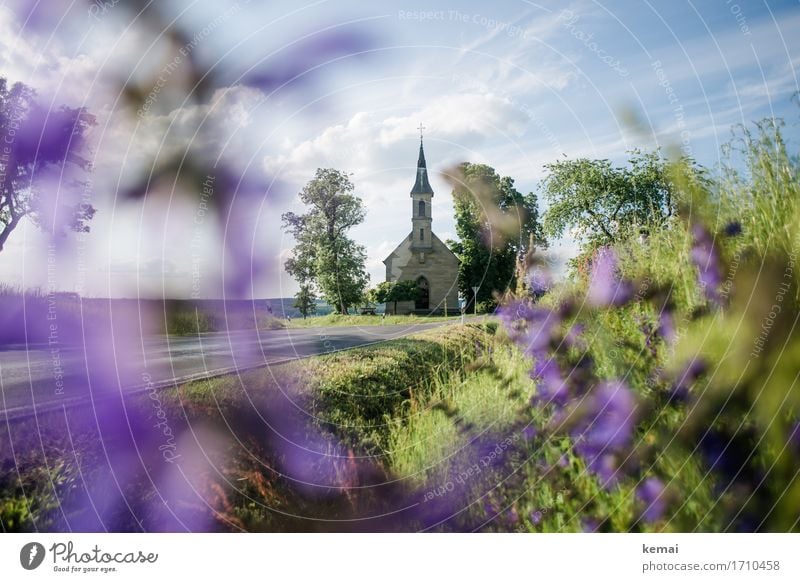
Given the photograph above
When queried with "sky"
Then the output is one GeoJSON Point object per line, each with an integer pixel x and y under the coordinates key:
{"type": "Point", "coordinates": [515, 85]}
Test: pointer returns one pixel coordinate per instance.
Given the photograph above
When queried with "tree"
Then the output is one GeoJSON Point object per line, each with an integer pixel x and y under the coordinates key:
{"type": "Point", "coordinates": [496, 225]}
{"type": "Point", "coordinates": [392, 292]}
{"type": "Point", "coordinates": [601, 204]}
{"type": "Point", "coordinates": [41, 164]}
{"type": "Point", "coordinates": [305, 300]}
{"type": "Point", "coordinates": [324, 255]}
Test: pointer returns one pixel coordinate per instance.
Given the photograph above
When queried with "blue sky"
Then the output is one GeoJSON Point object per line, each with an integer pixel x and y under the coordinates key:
{"type": "Point", "coordinates": [514, 84]}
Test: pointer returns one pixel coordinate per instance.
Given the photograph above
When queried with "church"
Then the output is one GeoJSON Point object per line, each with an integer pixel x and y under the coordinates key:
{"type": "Point", "coordinates": [423, 258]}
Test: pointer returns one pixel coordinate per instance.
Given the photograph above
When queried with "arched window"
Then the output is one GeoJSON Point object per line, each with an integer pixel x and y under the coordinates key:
{"type": "Point", "coordinates": [421, 208]}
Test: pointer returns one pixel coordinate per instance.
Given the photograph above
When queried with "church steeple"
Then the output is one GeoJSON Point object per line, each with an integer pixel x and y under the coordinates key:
{"type": "Point", "coordinates": [422, 185]}
{"type": "Point", "coordinates": [421, 194]}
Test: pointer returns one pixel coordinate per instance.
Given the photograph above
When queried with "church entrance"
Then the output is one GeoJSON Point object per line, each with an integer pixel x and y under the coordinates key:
{"type": "Point", "coordinates": [423, 299]}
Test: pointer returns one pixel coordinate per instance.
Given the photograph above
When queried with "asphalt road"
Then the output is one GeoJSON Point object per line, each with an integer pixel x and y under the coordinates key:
{"type": "Point", "coordinates": [43, 377]}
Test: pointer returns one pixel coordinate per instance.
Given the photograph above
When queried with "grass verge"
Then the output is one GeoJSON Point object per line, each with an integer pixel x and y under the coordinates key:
{"type": "Point", "coordinates": [298, 447]}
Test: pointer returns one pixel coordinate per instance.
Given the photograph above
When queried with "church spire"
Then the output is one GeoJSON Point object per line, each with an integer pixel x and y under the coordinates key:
{"type": "Point", "coordinates": [421, 194]}
{"type": "Point", "coordinates": [422, 185]}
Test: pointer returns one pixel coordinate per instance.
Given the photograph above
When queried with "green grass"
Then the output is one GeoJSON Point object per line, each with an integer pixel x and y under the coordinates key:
{"type": "Point", "coordinates": [488, 398]}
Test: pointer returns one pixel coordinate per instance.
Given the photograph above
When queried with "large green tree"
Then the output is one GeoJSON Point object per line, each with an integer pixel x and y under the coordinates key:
{"type": "Point", "coordinates": [600, 204]}
{"type": "Point", "coordinates": [496, 225]}
{"type": "Point", "coordinates": [324, 255]}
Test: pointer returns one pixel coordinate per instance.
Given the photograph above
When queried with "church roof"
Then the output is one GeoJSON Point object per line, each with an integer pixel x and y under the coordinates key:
{"type": "Point", "coordinates": [422, 185]}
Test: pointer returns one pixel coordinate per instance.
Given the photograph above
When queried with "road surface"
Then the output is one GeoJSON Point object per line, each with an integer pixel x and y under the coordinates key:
{"type": "Point", "coordinates": [42, 377]}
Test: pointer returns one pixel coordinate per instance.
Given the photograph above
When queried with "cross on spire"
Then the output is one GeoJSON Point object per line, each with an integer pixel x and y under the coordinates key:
{"type": "Point", "coordinates": [421, 128]}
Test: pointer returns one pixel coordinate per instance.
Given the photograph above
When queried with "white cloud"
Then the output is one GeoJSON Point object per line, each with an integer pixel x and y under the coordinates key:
{"type": "Point", "coordinates": [371, 142]}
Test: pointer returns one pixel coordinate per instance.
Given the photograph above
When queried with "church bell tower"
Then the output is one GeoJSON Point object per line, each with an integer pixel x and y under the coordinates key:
{"type": "Point", "coordinates": [421, 194]}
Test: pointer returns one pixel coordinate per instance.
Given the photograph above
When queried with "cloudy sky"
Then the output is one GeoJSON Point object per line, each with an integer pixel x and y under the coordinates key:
{"type": "Point", "coordinates": [515, 85]}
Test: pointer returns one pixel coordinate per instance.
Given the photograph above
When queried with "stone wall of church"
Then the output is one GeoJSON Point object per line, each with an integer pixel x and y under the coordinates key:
{"type": "Point", "coordinates": [440, 267]}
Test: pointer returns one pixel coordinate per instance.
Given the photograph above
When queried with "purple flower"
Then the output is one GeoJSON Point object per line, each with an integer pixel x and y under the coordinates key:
{"type": "Point", "coordinates": [512, 314]}
{"type": "Point", "coordinates": [539, 281]}
{"type": "Point", "coordinates": [706, 258]}
{"type": "Point", "coordinates": [551, 387]}
{"type": "Point", "coordinates": [651, 493]}
{"type": "Point", "coordinates": [536, 517]}
{"type": "Point", "coordinates": [606, 429]}
{"type": "Point", "coordinates": [574, 338]}
{"type": "Point", "coordinates": [666, 326]}
{"type": "Point", "coordinates": [541, 324]}
{"type": "Point", "coordinates": [589, 525]}
{"type": "Point", "coordinates": [680, 390]}
{"type": "Point", "coordinates": [529, 433]}
{"type": "Point", "coordinates": [605, 287]}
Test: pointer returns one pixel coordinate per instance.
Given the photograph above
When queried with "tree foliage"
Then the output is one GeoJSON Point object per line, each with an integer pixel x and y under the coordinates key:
{"type": "Point", "coordinates": [41, 166]}
{"type": "Point", "coordinates": [324, 255]}
{"type": "Point", "coordinates": [305, 300]}
{"type": "Point", "coordinates": [600, 204]}
{"type": "Point", "coordinates": [496, 225]}
{"type": "Point", "coordinates": [392, 292]}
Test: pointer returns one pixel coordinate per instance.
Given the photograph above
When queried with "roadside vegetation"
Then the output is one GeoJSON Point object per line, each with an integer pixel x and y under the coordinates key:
{"type": "Point", "coordinates": [289, 448]}
{"type": "Point", "coordinates": [655, 389]}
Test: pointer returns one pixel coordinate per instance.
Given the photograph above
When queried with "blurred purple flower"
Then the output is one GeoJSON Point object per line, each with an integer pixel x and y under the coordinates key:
{"type": "Point", "coordinates": [574, 337]}
{"type": "Point", "coordinates": [666, 326]}
{"type": "Point", "coordinates": [529, 433]}
{"type": "Point", "coordinates": [529, 326]}
{"type": "Point", "coordinates": [539, 281]}
{"type": "Point", "coordinates": [589, 525]}
{"type": "Point", "coordinates": [304, 58]}
{"type": "Point", "coordinates": [650, 492]}
{"type": "Point", "coordinates": [705, 256]}
{"type": "Point", "coordinates": [536, 517]}
{"type": "Point", "coordinates": [605, 287]}
{"type": "Point", "coordinates": [551, 387]}
{"type": "Point", "coordinates": [606, 428]}
{"type": "Point", "coordinates": [686, 379]}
